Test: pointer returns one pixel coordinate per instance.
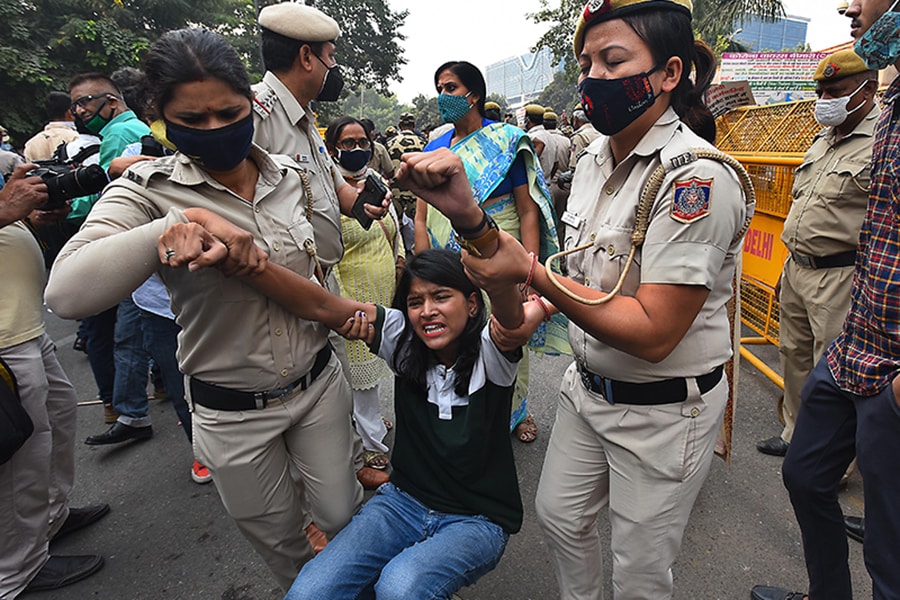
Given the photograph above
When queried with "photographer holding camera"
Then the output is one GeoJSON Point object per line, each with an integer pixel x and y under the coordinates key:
{"type": "Point", "coordinates": [37, 478]}
{"type": "Point", "coordinates": [99, 107]}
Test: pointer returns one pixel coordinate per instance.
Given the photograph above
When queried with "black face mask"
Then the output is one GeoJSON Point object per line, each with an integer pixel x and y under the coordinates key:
{"type": "Point", "coordinates": [614, 104]}
{"type": "Point", "coordinates": [333, 83]}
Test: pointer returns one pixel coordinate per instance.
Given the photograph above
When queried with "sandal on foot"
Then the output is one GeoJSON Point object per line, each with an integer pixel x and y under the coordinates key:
{"type": "Point", "coordinates": [387, 424]}
{"type": "Point", "coordinates": [375, 460]}
{"type": "Point", "coordinates": [526, 431]}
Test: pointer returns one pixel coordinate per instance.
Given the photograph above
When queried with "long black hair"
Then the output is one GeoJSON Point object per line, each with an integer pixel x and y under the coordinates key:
{"type": "Point", "coordinates": [192, 54]}
{"type": "Point", "coordinates": [469, 75]}
{"type": "Point", "coordinates": [412, 357]}
{"type": "Point", "coordinates": [668, 33]}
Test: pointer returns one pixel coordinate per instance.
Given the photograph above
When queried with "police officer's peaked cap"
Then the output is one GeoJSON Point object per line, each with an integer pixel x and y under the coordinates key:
{"type": "Point", "coordinates": [597, 11]}
{"type": "Point", "coordinates": [550, 116]}
{"type": "Point", "coordinates": [299, 22]}
{"type": "Point", "coordinates": [491, 106]}
{"type": "Point", "coordinates": [839, 65]}
{"type": "Point", "coordinates": [534, 110]}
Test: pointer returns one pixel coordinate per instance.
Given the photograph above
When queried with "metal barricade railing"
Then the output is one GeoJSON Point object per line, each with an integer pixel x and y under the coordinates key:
{"type": "Point", "coordinates": [770, 142]}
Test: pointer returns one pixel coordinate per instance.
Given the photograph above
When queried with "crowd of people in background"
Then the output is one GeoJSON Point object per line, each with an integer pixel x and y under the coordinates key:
{"type": "Point", "coordinates": [268, 279]}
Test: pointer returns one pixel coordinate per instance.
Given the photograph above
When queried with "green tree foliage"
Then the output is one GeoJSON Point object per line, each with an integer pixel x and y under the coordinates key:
{"type": "Point", "coordinates": [714, 22]}
{"type": "Point", "coordinates": [561, 93]}
{"type": "Point", "coordinates": [46, 42]}
{"type": "Point", "coordinates": [369, 50]}
{"type": "Point", "coordinates": [426, 110]}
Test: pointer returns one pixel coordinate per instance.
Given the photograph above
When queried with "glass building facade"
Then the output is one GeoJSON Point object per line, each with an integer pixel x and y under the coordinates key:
{"type": "Point", "coordinates": [767, 36]}
{"type": "Point", "coordinates": [521, 79]}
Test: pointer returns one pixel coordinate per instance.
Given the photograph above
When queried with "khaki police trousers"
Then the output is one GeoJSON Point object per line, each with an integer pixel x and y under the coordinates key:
{"type": "Point", "coordinates": [647, 463]}
{"type": "Point", "coordinates": [35, 483]}
{"type": "Point", "coordinates": [814, 304]}
{"type": "Point", "coordinates": [252, 454]}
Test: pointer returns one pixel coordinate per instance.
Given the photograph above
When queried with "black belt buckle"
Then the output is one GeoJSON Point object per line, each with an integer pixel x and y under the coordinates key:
{"type": "Point", "coordinates": [596, 383]}
{"type": "Point", "coordinates": [807, 262]}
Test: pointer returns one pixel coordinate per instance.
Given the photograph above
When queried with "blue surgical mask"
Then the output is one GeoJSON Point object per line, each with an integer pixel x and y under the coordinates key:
{"type": "Point", "coordinates": [879, 46]}
{"type": "Point", "coordinates": [354, 160]}
{"type": "Point", "coordinates": [219, 149]}
{"type": "Point", "coordinates": [453, 108]}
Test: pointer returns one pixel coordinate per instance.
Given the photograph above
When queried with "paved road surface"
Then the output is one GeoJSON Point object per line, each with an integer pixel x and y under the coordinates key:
{"type": "Point", "coordinates": [167, 537]}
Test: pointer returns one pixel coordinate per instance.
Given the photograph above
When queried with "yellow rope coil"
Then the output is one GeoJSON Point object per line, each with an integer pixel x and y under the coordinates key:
{"type": "Point", "coordinates": [642, 223]}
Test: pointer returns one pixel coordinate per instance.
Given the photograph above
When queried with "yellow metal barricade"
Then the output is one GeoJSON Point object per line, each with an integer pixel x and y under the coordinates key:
{"type": "Point", "coordinates": [770, 142]}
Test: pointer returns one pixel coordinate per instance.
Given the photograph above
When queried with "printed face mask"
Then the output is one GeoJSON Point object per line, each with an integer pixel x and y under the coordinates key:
{"type": "Point", "coordinates": [614, 104]}
{"type": "Point", "coordinates": [453, 108]}
{"type": "Point", "coordinates": [832, 112]}
{"type": "Point", "coordinates": [219, 149]}
{"type": "Point", "coordinates": [879, 46]}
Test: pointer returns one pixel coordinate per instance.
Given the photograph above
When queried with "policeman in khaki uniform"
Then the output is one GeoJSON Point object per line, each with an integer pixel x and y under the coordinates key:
{"type": "Point", "coordinates": [640, 409]}
{"type": "Point", "coordinates": [298, 51]}
{"type": "Point", "coordinates": [830, 193]}
{"type": "Point", "coordinates": [583, 136]}
{"type": "Point", "coordinates": [543, 144]}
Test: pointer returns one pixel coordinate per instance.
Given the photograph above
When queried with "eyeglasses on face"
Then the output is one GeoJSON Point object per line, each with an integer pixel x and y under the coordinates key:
{"type": "Point", "coordinates": [84, 100]}
{"type": "Point", "coordinates": [350, 143]}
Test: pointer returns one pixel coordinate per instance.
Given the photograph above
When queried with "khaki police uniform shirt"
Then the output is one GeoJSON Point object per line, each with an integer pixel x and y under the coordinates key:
{"type": "Point", "coordinates": [380, 161]}
{"type": "Point", "coordinates": [702, 251]}
{"type": "Point", "coordinates": [831, 192]}
{"type": "Point", "coordinates": [560, 150]}
{"type": "Point", "coordinates": [231, 335]}
{"type": "Point", "coordinates": [44, 144]}
{"type": "Point", "coordinates": [22, 272]}
{"type": "Point", "coordinates": [548, 154]}
{"type": "Point", "coordinates": [283, 126]}
{"type": "Point", "coordinates": [581, 139]}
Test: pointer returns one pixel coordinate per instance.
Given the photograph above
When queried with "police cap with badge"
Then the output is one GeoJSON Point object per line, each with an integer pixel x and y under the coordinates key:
{"type": "Point", "coordinates": [299, 22]}
{"type": "Point", "coordinates": [598, 11]}
{"type": "Point", "coordinates": [839, 65]}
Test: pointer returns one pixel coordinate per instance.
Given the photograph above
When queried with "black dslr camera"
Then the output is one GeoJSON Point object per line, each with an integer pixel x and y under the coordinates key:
{"type": "Point", "coordinates": [65, 181]}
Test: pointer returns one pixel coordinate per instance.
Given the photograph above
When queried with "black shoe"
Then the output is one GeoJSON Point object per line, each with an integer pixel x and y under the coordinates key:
{"type": "Point", "coordinates": [60, 571]}
{"type": "Point", "coordinates": [79, 344]}
{"type": "Point", "coordinates": [118, 433]}
{"type": "Point", "coordinates": [856, 528]}
{"type": "Point", "coordinates": [774, 446]}
{"type": "Point", "coordinates": [79, 518]}
{"type": "Point", "coordinates": [765, 592]}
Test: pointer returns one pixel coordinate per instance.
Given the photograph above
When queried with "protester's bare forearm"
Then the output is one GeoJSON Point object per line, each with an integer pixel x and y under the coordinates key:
{"type": "Point", "coordinates": [305, 298]}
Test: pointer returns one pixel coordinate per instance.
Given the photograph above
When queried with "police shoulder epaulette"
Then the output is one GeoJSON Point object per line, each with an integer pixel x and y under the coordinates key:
{"type": "Point", "coordinates": [675, 158]}
{"type": "Point", "coordinates": [142, 172]}
{"type": "Point", "coordinates": [264, 99]}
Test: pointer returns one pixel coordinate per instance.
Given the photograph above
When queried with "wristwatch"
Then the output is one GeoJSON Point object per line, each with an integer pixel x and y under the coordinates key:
{"type": "Point", "coordinates": [473, 246]}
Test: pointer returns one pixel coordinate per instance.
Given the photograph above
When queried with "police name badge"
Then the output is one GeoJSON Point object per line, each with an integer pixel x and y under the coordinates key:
{"type": "Point", "coordinates": [691, 202]}
{"type": "Point", "coordinates": [571, 219]}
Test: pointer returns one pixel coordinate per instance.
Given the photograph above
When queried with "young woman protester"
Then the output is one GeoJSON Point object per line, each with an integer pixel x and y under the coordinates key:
{"type": "Point", "coordinates": [654, 225]}
{"type": "Point", "coordinates": [508, 184]}
{"type": "Point", "coordinates": [446, 515]}
{"type": "Point", "coordinates": [268, 397]}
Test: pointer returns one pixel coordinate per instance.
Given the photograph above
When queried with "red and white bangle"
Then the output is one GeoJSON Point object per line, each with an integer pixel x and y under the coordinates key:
{"type": "Point", "coordinates": [547, 315]}
{"type": "Point", "coordinates": [527, 284]}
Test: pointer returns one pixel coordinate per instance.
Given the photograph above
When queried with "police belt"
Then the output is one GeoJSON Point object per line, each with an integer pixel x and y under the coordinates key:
{"type": "Point", "coordinates": [220, 398]}
{"type": "Point", "coordinates": [667, 391]}
{"type": "Point", "coordinates": [841, 259]}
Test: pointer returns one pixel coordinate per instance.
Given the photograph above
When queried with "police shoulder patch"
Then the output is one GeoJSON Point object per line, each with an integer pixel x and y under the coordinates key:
{"type": "Point", "coordinates": [692, 198]}
{"type": "Point", "coordinates": [264, 101]}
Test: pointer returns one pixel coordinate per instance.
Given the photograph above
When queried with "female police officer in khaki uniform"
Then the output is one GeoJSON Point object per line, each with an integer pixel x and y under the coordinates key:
{"type": "Point", "coordinates": [639, 411]}
{"type": "Point", "coordinates": [267, 393]}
